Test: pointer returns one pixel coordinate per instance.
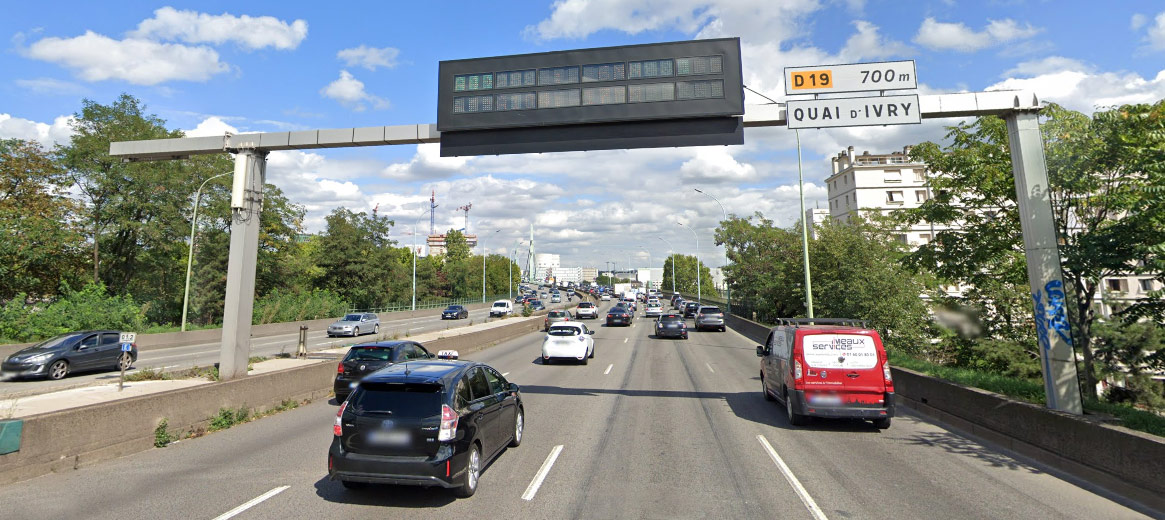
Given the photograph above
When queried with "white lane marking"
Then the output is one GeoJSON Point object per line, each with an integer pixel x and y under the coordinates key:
{"type": "Point", "coordinates": [608, 371]}
{"type": "Point", "coordinates": [251, 503]}
{"type": "Point", "coordinates": [709, 368]}
{"type": "Point", "coordinates": [532, 489]}
{"type": "Point", "coordinates": [817, 513]}
{"type": "Point", "coordinates": [624, 340]}
{"type": "Point", "coordinates": [504, 374]}
{"type": "Point", "coordinates": [415, 328]}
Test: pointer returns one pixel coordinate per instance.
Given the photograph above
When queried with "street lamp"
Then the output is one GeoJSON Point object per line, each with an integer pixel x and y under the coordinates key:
{"type": "Point", "coordinates": [190, 253]}
{"type": "Point", "coordinates": [699, 295]}
{"type": "Point", "coordinates": [671, 254]}
{"type": "Point", "coordinates": [415, 224]}
{"type": "Point", "coordinates": [481, 242]}
{"type": "Point", "coordinates": [727, 287]}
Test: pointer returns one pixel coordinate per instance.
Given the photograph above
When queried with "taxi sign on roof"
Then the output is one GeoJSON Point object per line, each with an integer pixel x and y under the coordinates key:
{"type": "Point", "coordinates": [855, 77]}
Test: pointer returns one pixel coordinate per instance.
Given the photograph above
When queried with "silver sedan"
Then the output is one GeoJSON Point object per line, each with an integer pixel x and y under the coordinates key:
{"type": "Point", "coordinates": [354, 324]}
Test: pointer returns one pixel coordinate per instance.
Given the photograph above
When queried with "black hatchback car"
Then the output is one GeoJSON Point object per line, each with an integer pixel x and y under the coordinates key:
{"type": "Point", "coordinates": [55, 358]}
{"type": "Point", "coordinates": [619, 316]}
{"type": "Point", "coordinates": [671, 326]}
{"type": "Point", "coordinates": [690, 309]}
{"type": "Point", "coordinates": [365, 359]}
{"type": "Point", "coordinates": [425, 423]}
{"type": "Point", "coordinates": [454, 312]}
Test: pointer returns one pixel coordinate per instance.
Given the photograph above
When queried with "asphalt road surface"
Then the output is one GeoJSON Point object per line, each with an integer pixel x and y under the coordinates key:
{"type": "Point", "coordinates": [649, 429]}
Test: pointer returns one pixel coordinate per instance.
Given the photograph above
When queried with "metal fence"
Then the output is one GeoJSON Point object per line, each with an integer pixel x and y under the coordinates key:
{"type": "Point", "coordinates": [432, 304]}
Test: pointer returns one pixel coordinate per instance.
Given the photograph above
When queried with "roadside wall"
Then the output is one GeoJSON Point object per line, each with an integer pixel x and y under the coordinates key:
{"type": "Point", "coordinates": [1124, 461]}
{"type": "Point", "coordinates": [69, 439]}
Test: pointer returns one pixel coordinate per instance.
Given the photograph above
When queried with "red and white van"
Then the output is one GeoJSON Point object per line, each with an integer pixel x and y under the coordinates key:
{"type": "Point", "coordinates": [827, 367]}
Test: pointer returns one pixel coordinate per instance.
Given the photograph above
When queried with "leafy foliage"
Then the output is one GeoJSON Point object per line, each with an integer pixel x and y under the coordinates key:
{"type": "Point", "coordinates": [685, 275]}
{"type": "Point", "coordinates": [89, 308]}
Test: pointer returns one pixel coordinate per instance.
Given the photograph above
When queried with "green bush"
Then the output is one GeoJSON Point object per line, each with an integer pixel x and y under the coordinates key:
{"type": "Point", "coordinates": [284, 306]}
{"type": "Point", "coordinates": [227, 417]}
{"type": "Point", "coordinates": [89, 308]}
{"type": "Point", "coordinates": [162, 436]}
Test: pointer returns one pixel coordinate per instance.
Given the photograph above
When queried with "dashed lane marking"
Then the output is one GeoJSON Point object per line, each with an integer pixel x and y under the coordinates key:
{"type": "Point", "coordinates": [532, 489]}
{"type": "Point", "coordinates": [251, 503]}
{"type": "Point", "coordinates": [608, 371]}
{"type": "Point", "coordinates": [807, 500]}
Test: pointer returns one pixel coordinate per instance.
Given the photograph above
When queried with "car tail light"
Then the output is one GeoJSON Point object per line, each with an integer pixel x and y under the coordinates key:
{"type": "Point", "coordinates": [886, 376]}
{"type": "Point", "coordinates": [797, 371]}
{"type": "Point", "coordinates": [338, 427]}
{"type": "Point", "coordinates": [340, 368]}
{"type": "Point", "coordinates": [448, 424]}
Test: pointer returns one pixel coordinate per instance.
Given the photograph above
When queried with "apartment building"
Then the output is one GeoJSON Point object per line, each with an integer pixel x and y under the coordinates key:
{"type": "Point", "coordinates": [884, 183]}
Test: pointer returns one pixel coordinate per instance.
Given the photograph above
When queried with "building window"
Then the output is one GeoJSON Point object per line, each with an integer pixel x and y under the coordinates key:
{"type": "Point", "coordinates": [1116, 285]}
{"type": "Point", "coordinates": [919, 174]}
{"type": "Point", "coordinates": [893, 176]}
{"type": "Point", "coordinates": [924, 238]}
{"type": "Point", "coordinates": [921, 196]}
{"type": "Point", "coordinates": [894, 197]}
{"type": "Point", "coordinates": [1146, 284]}
{"type": "Point", "coordinates": [900, 238]}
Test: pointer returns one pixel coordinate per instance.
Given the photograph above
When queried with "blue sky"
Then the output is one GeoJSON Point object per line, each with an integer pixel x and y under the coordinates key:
{"type": "Point", "coordinates": [207, 67]}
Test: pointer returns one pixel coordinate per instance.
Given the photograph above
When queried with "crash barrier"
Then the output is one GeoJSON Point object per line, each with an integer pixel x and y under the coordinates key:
{"type": "Point", "coordinates": [70, 439]}
{"type": "Point", "coordinates": [1126, 462]}
{"type": "Point", "coordinates": [195, 337]}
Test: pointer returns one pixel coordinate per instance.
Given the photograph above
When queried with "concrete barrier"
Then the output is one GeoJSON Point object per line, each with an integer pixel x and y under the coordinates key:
{"type": "Point", "coordinates": [74, 438]}
{"type": "Point", "coordinates": [1123, 461]}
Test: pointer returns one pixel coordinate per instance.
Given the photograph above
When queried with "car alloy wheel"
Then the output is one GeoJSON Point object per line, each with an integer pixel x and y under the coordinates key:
{"type": "Point", "coordinates": [59, 369]}
{"type": "Point", "coordinates": [795, 418]}
{"type": "Point", "coordinates": [519, 425]}
{"type": "Point", "coordinates": [376, 329]}
{"type": "Point", "coordinates": [472, 470]}
{"type": "Point", "coordinates": [355, 332]}
{"type": "Point", "coordinates": [124, 361]}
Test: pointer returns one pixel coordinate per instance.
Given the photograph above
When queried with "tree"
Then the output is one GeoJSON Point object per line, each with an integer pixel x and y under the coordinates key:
{"type": "Point", "coordinates": [42, 246]}
{"type": "Point", "coordinates": [765, 269]}
{"type": "Point", "coordinates": [685, 275]}
{"type": "Point", "coordinates": [1098, 185]}
{"type": "Point", "coordinates": [356, 258]}
{"type": "Point", "coordinates": [456, 247]}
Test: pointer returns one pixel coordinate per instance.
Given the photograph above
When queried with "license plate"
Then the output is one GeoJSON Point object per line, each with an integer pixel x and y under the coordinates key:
{"type": "Point", "coordinates": [388, 437]}
{"type": "Point", "coordinates": [825, 400]}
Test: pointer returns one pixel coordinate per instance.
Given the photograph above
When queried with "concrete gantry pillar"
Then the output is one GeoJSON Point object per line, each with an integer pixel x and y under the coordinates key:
{"type": "Point", "coordinates": [246, 204]}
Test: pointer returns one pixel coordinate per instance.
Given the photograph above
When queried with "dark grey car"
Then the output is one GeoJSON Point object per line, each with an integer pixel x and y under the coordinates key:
{"type": "Point", "coordinates": [367, 358]}
{"type": "Point", "coordinates": [55, 358]}
{"type": "Point", "coordinates": [354, 324]}
{"type": "Point", "coordinates": [708, 317]}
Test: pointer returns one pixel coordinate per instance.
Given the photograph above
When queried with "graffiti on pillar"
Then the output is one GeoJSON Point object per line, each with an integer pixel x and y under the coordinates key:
{"type": "Point", "coordinates": [1057, 315]}
{"type": "Point", "coordinates": [1050, 316]}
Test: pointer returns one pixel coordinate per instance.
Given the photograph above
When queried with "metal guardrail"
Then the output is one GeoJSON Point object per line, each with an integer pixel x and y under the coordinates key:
{"type": "Point", "coordinates": [432, 304]}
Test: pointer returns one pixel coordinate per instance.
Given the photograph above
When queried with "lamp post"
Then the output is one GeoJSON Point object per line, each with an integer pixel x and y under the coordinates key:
{"type": "Point", "coordinates": [415, 224]}
{"type": "Point", "coordinates": [724, 212]}
{"type": "Point", "coordinates": [671, 255]}
{"type": "Point", "coordinates": [190, 253]}
{"type": "Point", "coordinates": [699, 294]}
{"type": "Point", "coordinates": [804, 233]}
{"type": "Point", "coordinates": [481, 242]}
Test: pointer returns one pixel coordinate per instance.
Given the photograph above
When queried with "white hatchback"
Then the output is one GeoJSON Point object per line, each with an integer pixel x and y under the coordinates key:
{"type": "Point", "coordinates": [568, 340]}
{"type": "Point", "coordinates": [654, 310]}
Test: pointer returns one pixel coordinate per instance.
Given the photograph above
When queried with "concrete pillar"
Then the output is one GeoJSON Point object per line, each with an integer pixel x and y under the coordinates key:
{"type": "Point", "coordinates": [240, 289]}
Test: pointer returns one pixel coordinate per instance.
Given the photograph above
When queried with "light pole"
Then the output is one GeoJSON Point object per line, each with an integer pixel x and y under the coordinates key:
{"type": "Point", "coordinates": [415, 224]}
{"type": "Point", "coordinates": [190, 253]}
{"type": "Point", "coordinates": [699, 294]}
{"type": "Point", "coordinates": [481, 242]}
{"type": "Point", "coordinates": [804, 233]}
{"type": "Point", "coordinates": [727, 287]}
{"type": "Point", "coordinates": [671, 256]}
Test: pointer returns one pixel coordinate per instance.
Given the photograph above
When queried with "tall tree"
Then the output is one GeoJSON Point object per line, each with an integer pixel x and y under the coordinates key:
{"type": "Point", "coordinates": [357, 259]}
{"type": "Point", "coordinates": [456, 247]}
{"type": "Point", "coordinates": [685, 275]}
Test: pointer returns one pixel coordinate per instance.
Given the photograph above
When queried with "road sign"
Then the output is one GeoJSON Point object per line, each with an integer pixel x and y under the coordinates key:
{"type": "Point", "coordinates": [127, 347]}
{"type": "Point", "coordinates": [128, 337]}
{"type": "Point", "coordinates": [855, 77]}
{"type": "Point", "coordinates": [865, 111]}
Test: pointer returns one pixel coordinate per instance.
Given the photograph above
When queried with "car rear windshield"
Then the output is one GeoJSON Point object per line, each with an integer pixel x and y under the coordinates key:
{"type": "Point", "coordinates": [710, 310]}
{"type": "Point", "coordinates": [353, 317]}
{"type": "Point", "coordinates": [585, 305]}
{"type": "Point", "coordinates": [397, 399]}
{"type": "Point", "coordinates": [671, 318]}
{"type": "Point", "coordinates": [500, 304]}
{"type": "Point", "coordinates": [564, 331]}
{"type": "Point", "coordinates": [845, 351]}
{"type": "Point", "coordinates": [369, 354]}
{"type": "Point", "coordinates": [557, 314]}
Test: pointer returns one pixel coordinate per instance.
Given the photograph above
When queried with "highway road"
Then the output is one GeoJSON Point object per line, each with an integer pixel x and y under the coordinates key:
{"type": "Point", "coordinates": [649, 429]}
{"type": "Point", "coordinates": [207, 354]}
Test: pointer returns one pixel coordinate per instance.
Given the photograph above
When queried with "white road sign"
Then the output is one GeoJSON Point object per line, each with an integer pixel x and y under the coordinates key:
{"type": "Point", "coordinates": [128, 337]}
{"type": "Point", "coordinates": [856, 77]}
{"type": "Point", "coordinates": [866, 111]}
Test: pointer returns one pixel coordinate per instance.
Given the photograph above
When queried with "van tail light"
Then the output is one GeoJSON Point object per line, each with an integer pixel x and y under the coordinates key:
{"type": "Point", "coordinates": [798, 373]}
{"type": "Point", "coordinates": [340, 368]}
{"type": "Point", "coordinates": [887, 377]}
{"type": "Point", "coordinates": [448, 424]}
{"type": "Point", "coordinates": [338, 427]}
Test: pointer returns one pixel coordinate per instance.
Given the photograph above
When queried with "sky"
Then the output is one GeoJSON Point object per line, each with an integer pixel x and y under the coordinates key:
{"type": "Point", "coordinates": [211, 67]}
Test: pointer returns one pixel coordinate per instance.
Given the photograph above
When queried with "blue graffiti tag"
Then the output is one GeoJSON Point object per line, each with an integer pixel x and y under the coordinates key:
{"type": "Point", "coordinates": [1041, 319]}
{"type": "Point", "coordinates": [1057, 316]}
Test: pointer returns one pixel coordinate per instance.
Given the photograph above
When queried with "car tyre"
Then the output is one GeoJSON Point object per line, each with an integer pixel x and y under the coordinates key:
{"type": "Point", "coordinates": [348, 484]}
{"type": "Point", "coordinates": [519, 427]}
{"type": "Point", "coordinates": [355, 332]}
{"type": "Point", "coordinates": [124, 361]}
{"type": "Point", "coordinates": [592, 352]}
{"type": "Point", "coordinates": [795, 418]}
{"type": "Point", "coordinates": [882, 423]}
{"type": "Point", "coordinates": [546, 361]}
{"type": "Point", "coordinates": [58, 370]}
{"type": "Point", "coordinates": [472, 473]}
{"type": "Point", "coordinates": [585, 359]}
{"type": "Point", "coordinates": [765, 390]}
{"type": "Point", "coordinates": [376, 329]}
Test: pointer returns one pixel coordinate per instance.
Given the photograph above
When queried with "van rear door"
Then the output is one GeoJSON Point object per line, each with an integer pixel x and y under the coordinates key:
{"type": "Point", "coordinates": [843, 368]}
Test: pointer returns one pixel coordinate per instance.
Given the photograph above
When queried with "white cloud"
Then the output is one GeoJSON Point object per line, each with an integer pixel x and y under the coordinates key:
{"type": "Point", "coordinates": [1049, 65]}
{"type": "Point", "coordinates": [48, 135]}
{"type": "Point", "coordinates": [716, 165]}
{"type": "Point", "coordinates": [943, 36]}
{"type": "Point", "coordinates": [427, 163]}
{"type": "Point", "coordinates": [95, 57]}
{"type": "Point", "coordinates": [211, 126]}
{"type": "Point", "coordinates": [369, 57]}
{"type": "Point", "coordinates": [1087, 91]}
{"type": "Point", "coordinates": [252, 32]}
{"type": "Point", "coordinates": [1156, 33]}
{"type": "Point", "coordinates": [1137, 21]}
{"type": "Point", "coordinates": [349, 91]}
{"type": "Point", "coordinates": [52, 86]}
{"type": "Point", "coordinates": [867, 43]}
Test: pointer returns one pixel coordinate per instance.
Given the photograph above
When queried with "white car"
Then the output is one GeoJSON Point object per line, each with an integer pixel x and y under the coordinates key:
{"type": "Point", "coordinates": [605, 297]}
{"type": "Point", "coordinates": [501, 308]}
{"type": "Point", "coordinates": [568, 340]}
{"type": "Point", "coordinates": [586, 310]}
{"type": "Point", "coordinates": [654, 310]}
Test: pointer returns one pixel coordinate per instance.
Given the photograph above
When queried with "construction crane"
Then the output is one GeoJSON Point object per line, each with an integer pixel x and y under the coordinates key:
{"type": "Point", "coordinates": [465, 208]}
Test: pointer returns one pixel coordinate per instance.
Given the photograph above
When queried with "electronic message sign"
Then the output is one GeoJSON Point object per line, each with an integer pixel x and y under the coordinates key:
{"type": "Point", "coordinates": [668, 94]}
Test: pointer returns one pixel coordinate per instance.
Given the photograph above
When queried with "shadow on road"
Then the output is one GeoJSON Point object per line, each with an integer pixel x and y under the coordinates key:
{"type": "Point", "coordinates": [383, 495]}
{"type": "Point", "coordinates": [959, 445]}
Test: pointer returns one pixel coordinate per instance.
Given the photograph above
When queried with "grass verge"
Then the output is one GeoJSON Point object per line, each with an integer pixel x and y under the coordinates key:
{"type": "Point", "coordinates": [1030, 390]}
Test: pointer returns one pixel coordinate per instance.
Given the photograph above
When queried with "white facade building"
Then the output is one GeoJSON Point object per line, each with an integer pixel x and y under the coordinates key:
{"type": "Point", "coordinates": [545, 266]}
{"type": "Point", "coordinates": [815, 217]}
{"type": "Point", "coordinates": [568, 274]}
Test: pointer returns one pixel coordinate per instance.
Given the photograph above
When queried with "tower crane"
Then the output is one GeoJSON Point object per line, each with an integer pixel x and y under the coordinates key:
{"type": "Point", "coordinates": [466, 208]}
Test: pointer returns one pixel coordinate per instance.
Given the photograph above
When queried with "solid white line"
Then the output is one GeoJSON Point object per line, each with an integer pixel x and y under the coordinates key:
{"type": "Point", "coordinates": [251, 503]}
{"type": "Point", "coordinates": [817, 513]}
{"type": "Point", "coordinates": [709, 368]}
{"type": "Point", "coordinates": [532, 489]}
{"type": "Point", "coordinates": [608, 371]}
{"type": "Point", "coordinates": [624, 340]}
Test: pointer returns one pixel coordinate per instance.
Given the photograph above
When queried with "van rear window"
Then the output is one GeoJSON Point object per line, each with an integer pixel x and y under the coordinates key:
{"type": "Point", "coordinates": [844, 351]}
